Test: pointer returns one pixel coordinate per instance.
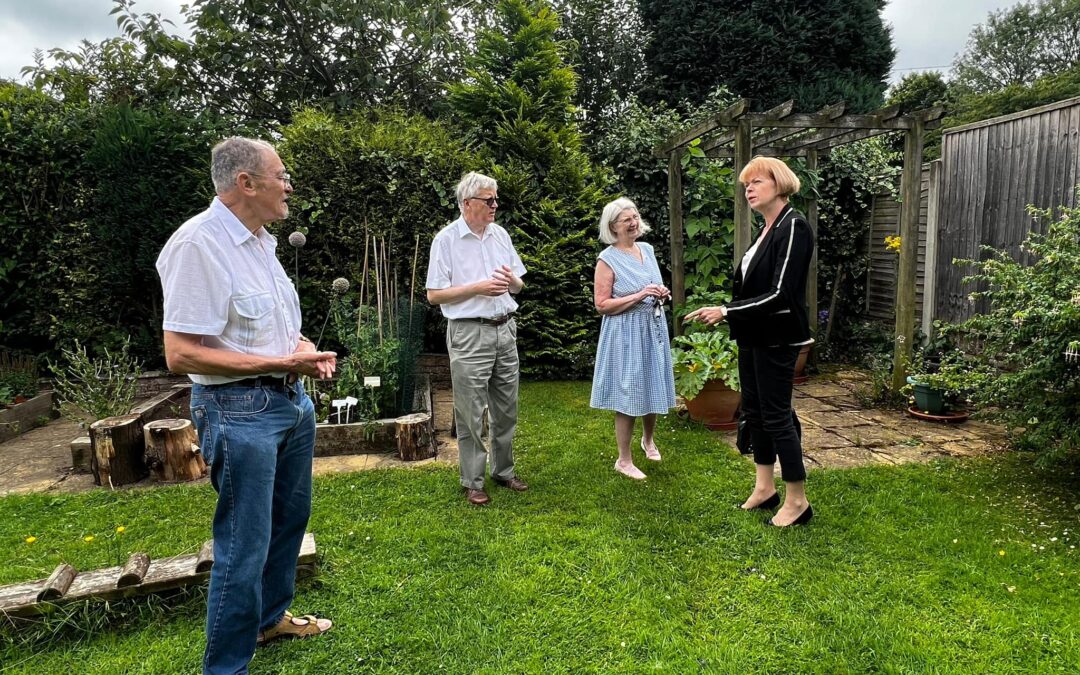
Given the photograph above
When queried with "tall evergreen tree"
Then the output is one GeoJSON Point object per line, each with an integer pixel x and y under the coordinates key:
{"type": "Point", "coordinates": [814, 52]}
{"type": "Point", "coordinates": [516, 106]}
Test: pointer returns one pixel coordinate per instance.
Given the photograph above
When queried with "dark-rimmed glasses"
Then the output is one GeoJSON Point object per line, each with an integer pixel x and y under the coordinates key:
{"type": "Point", "coordinates": [491, 202]}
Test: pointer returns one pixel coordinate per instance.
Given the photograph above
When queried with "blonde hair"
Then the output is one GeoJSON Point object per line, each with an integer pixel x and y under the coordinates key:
{"type": "Point", "coordinates": [787, 183]}
{"type": "Point", "coordinates": [611, 212]}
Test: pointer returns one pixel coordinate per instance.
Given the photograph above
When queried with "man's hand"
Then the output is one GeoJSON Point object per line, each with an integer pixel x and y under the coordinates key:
{"type": "Point", "coordinates": [504, 273]}
{"type": "Point", "coordinates": [493, 287]}
{"type": "Point", "coordinates": [308, 361]}
{"type": "Point", "coordinates": [707, 315]}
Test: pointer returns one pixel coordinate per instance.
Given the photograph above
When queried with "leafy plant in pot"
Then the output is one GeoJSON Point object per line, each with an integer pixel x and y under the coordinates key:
{"type": "Point", "coordinates": [707, 377]}
{"type": "Point", "coordinates": [941, 393]}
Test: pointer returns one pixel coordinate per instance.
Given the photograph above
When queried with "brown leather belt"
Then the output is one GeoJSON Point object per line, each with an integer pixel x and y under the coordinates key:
{"type": "Point", "coordinates": [497, 321]}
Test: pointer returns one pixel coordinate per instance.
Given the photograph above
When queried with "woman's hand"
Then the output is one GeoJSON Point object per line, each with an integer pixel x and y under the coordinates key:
{"type": "Point", "coordinates": [654, 291]}
{"type": "Point", "coordinates": [707, 315]}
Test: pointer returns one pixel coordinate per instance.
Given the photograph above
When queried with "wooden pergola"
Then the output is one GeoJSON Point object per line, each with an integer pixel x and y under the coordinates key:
{"type": "Point", "coordinates": [739, 134]}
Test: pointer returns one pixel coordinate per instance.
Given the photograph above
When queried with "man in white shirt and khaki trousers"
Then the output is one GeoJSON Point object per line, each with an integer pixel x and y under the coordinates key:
{"type": "Point", "coordinates": [472, 272]}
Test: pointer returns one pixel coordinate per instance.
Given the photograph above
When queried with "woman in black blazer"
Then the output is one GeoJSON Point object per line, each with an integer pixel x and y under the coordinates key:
{"type": "Point", "coordinates": [768, 319]}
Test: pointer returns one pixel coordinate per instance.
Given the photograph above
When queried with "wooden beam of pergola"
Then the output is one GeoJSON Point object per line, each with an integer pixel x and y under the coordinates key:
{"type": "Point", "coordinates": [779, 112]}
{"type": "Point", "coordinates": [724, 118]}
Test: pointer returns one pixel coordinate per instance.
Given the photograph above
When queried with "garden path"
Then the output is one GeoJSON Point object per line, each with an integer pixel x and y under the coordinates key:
{"type": "Point", "coordinates": [838, 431]}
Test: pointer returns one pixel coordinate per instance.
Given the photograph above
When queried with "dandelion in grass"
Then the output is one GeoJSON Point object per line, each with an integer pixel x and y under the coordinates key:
{"type": "Point", "coordinates": [88, 538]}
{"type": "Point", "coordinates": [30, 540]}
{"type": "Point", "coordinates": [1001, 552]}
{"type": "Point", "coordinates": [121, 529]}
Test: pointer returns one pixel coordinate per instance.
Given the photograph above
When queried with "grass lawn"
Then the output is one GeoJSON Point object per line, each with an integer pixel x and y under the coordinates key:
{"type": "Point", "coordinates": [956, 566]}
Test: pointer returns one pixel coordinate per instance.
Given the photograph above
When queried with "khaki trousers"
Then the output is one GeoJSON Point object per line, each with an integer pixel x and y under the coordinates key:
{"type": "Point", "coordinates": [484, 370]}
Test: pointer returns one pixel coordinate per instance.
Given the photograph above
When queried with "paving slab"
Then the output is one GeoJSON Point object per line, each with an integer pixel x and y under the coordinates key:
{"type": "Point", "coordinates": [822, 389]}
{"type": "Point", "coordinates": [810, 404]}
{"type": "Point", "coordinates": [841, 458]}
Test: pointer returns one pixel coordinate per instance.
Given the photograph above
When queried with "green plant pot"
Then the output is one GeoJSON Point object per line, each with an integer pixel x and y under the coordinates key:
{"type": "Point", "coordinates": [927, 398]}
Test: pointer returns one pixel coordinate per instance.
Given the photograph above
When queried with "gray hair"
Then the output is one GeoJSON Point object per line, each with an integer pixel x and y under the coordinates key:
{"type": "Point", "coordinates": [470, 184]}
{"type": "Point", "coordinates": [233, 155]}
{"type": "Point", "coordinates": [611, 212]}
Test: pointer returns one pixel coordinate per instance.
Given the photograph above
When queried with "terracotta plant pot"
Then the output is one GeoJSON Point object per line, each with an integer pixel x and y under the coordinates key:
{"type": "Point", "coordinates": [800, 365]}
{"type": "Point", "coordinates": [716, 406]}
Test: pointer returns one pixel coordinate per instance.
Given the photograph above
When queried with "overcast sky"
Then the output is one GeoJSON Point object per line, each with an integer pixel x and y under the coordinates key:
{"type": "Point", "coordinates": [927, 34]}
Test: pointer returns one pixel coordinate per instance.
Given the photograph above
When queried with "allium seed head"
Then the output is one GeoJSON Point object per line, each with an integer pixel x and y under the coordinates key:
{"type": "Point", "coordinates": [297, 239]}
{"type": "Point", "coordinates": [341, 285]}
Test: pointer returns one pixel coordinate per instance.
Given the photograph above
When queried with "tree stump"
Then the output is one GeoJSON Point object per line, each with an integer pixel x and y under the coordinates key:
{"type": "Point", "coordinates": [415, 437]}
{"type": "Point", "coordinates": [116, 450]}
{"type": "Point", "coordinates": [172, 451]}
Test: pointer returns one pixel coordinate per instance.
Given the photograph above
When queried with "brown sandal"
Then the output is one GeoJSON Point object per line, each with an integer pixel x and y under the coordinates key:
{"type": "Point", "coordinates": [294, 627]}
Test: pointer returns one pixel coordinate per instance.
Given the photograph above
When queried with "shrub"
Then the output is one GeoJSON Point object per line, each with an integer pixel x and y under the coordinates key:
{"type": "Point", "coordinates": [703, 356]}
{"type": "Point", "coordinates": [90, 389]}
{"type": "Point", "coordinates": [1016, 355]}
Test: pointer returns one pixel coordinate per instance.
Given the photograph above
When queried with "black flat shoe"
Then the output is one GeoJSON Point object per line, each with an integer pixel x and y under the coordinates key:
{"type": "Point", "coordinates": [803, 518]}
{"type": "Point", "coordinates": [767, 505]}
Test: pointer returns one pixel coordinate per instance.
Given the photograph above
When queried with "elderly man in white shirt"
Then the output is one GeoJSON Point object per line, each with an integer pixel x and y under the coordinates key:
{"type": "Point", "coordinates": [472, 272]}
{"type": "Point", "coordinates": [232, 323]}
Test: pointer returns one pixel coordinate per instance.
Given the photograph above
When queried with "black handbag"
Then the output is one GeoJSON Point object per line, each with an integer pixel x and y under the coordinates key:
{"type": "Point", "coordinates": [744, 440]}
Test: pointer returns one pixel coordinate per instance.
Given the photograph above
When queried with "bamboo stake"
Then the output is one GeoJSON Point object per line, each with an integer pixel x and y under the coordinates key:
{"type": "Point", "coordinates": [378, 291]}
{"type": "Point", "coordinates": [412, 284]}
{"type": "Point", "coordinates": [363, 281]}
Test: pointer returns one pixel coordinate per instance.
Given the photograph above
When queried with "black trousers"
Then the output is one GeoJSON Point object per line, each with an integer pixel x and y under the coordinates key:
{"type": "Point", "coordinates": [766, 375]}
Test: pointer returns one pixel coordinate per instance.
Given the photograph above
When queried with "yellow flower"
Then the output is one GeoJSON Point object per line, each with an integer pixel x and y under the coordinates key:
{"type": "Point", "coordinates": [88, 538]}
{"type": "Point", "coordinates": [692, 367]}
{"type": "Point", "coordinates": [120, 530]}
{"type": "Point", "coordinates": [1001, 552]}
{"type": "Point", "coordinates": [31, 540]}
{"type": "Point", "coordinates": [892, 243]}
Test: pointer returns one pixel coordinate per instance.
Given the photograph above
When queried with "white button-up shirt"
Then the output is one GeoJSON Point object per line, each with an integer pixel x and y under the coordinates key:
{"type": "Point", "coordinates": [459, 257]}
{"type": "Point", "coordinates": [226, 284]}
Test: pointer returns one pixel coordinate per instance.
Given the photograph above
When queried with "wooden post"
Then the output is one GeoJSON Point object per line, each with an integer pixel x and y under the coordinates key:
{"type": "Point", "coordinates": [172, 451]}
{"type": "Point", "coordinates": [117, 447]}
{"type": "Point", "coordinates": [205, 559]}
{"type": "Point", "coordinates": [812, 275]}
{"type": "Point", "coordinates": [415, 437]}
{"type": "Point", "coordinates": [910, 182]}
{"type": "Point", "coordinates": [933, 196]}
{"type": "Point", "coordinates": [675, 218]}
{"type": "Point", "coordinates": [743, 152]}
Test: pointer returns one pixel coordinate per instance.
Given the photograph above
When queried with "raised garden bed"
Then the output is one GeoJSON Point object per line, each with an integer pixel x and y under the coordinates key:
{"type": "Point", "coordinates": [22, 417]}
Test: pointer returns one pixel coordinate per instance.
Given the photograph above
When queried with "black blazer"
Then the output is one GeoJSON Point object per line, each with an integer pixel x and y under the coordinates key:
{"type": "Point", "coordinates": [768, 306]}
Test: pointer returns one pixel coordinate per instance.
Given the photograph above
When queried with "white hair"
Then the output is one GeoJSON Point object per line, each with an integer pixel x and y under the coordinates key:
{"type": "Point", "coordinates": [611, 212]}
{"type": "Point", "coordinates": [234, 155]}
{"type": "Point", "coordinates": [470, 184]}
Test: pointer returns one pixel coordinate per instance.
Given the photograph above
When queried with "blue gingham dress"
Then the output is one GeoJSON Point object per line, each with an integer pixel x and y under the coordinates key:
{"type": "Point", "coordinates": [633, 373]}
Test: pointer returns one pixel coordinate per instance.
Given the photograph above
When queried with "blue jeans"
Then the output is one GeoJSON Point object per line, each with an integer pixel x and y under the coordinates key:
{"type": "Point", "coordinates": [258, 442]}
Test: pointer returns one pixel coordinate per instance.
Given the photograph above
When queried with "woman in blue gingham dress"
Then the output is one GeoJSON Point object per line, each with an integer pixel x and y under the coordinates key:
{"type": "Point", "coordinates": [633, 374]}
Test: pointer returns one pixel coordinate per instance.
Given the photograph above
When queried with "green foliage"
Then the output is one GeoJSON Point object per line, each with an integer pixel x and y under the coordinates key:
{"type": "Point", "coordinates": [703, 356]}
{"type": "Point", "coordinates": [1015, 98]}
{"type": "Point", "coordinates": [708, 221]}
{"type": "Point", "coordinates": [90, 389]}
{"type": "Point", "coordinates": [849, 179]}
{"type": "Point", "coordinates": [919, 91]}
{"type": "Point", "coordinates": [387, 175]}
{"type": "Point", "coordinates": [1017, 359]}
{"type": "Point", "coordinates": [816, 53]}
{"type": "Point", "coordinates": [18, 377]}
{"type": "Point", "coordinates": [607, 53]}
{"type": "Point", "coordinates": [1018, 45]}
{"type": "Point", "coordinates": [517, 107]}
{"type": "Point", "coordinates": [369, 352]}
{"type": "Point", "coordinates": [42, 142]}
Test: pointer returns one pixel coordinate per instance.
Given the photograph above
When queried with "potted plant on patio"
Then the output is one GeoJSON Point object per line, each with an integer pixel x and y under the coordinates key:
{"type": "Point", "coordinates": [707, 377]}
{"type": "Point", "coordinates": [938, 393]}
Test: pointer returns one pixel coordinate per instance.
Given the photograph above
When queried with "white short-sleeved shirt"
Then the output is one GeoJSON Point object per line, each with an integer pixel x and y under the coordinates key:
{"type": "Point", "coordinates": [460, 257]}
{"type": "Point", "coordinates": [226, 284]}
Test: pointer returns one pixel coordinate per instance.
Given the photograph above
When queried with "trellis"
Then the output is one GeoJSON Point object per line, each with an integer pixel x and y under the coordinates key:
{"type": "Point", "coordinates": [738, 134]}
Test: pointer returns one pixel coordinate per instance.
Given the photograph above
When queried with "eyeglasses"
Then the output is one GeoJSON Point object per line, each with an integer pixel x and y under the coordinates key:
{"type": "Point", "coordinates": [285, 177]}
{"type": "Point", "coordinates": [490, 201]}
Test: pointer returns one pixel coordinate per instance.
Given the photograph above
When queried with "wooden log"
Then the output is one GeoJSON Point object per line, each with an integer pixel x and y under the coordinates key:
{"type": "Point", "coordinates": [21, 600]}
{"type": "Point", "coordinates": [117, 448]}
{"type": "Point", "coordinates": [58, 583]}
{"type": "Point", "coordinates": [415, 437]}
{"type": "Point", "coordinates": [172, 451]}
{"type": "Point", "coordinates": [134, 570]}
{"type": "Point", "coordinates": [205, 560]}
